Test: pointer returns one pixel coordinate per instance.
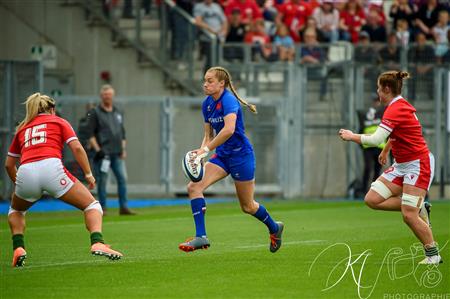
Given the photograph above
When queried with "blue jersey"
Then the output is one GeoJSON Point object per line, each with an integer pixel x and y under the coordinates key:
{"type": "Point", "coordinates": [214, 113]}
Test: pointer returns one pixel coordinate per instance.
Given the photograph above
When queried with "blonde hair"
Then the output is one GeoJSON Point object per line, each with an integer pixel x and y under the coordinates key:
{"type": "Point", "coordinates": [35, 104]}
{"type": "Point", "coordinates": [393, 80]}
{"type": "Point", "coordinates": [223, 75]}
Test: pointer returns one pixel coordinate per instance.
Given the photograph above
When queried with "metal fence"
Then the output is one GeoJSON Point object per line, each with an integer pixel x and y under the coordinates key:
{"type": "Point", "coordinates": [18, 79]}
{"type": "Point", "coordinates": [294, 135]}
{"type": "Point", "coordinates": [161, 130]}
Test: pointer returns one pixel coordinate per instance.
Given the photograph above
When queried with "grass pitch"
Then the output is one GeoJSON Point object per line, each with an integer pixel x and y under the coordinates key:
{"type": "Point", "coordinates": [238, 264]}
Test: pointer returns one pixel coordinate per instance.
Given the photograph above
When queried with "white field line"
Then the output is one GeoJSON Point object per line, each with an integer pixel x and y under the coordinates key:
{"type": "Point", "coordinates": [305, 242]}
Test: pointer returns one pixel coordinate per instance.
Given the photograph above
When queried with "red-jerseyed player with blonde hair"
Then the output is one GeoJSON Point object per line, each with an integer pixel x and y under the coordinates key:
{"type": "Point", "coordinates": [38, 143]}
{"type": "Point", "coordinates": [405, 184]}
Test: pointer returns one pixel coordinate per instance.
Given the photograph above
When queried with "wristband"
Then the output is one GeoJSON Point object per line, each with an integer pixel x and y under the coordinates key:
{"type": "Point", "coordinates": [206, 149]}
{"type": "Point", "coordinates": [88, 175]}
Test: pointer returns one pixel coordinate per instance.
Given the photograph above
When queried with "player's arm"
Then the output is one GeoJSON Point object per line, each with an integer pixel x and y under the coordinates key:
{"type": "Point", "coordinates": [382, 158]}
{"type": "Point", "coordinates": [10, 166]}
{"type": "Point", "coordinates": [224, 134]}
{"type": "Point", "coordinates": [209, 135]}
{"type": "Point", "coordinates": [371, 140]}
{"type": "Point", "coordinates": [80, 156]}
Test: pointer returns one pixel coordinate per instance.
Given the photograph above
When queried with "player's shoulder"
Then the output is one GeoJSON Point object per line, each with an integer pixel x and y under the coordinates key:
{"type": "Point", "coordinates": [228, 96]}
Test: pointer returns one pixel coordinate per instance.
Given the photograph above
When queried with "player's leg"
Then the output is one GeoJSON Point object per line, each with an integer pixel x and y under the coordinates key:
{"type": "Point", "coordinates": [242, 170]}
{"type": "Point", "coordinates": [412, 200]}
{"type": "Point", "coordinates": [214, 171]}
{"type": "Point", "coordinates": [245, 193]}
{"type": "Point", "coordinates": [101, 178]}
{"type": "Point", "coordinates": [79, 196]}
{"type": "Point", "coordinates": [384, 195]}
{"type": "Point", "coordinates": [16, 221]}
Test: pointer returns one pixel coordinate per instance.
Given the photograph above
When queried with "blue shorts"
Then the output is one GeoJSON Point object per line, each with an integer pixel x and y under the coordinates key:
{"type": "Point", "coordinates": [241, 168]}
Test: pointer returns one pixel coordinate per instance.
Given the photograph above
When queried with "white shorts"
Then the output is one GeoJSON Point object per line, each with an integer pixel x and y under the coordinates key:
{"type": "Point", "coordinates": [47, 175]}
{"type": "Point", "coordinates": [417, 173]}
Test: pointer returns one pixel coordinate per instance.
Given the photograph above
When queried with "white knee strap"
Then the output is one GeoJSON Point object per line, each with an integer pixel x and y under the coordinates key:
{"type": "Point", "coordinates": [412, 200]}
{"type": "Point", "coordinates": [11, 210]}
{"type": "Point", "coordinates": [95, 205]}
{"type": "Point", "coordinates": [380, 188]}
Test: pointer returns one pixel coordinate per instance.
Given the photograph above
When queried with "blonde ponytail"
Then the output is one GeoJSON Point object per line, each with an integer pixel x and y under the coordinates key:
{"type": "Point", "coordinates": [35, 104]}
{"type": "Point", "coordinates": [223, 74]}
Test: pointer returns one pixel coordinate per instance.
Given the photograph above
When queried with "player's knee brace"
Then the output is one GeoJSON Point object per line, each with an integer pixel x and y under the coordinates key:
{"type": "Point", "coordinates": [95, 205]}
{"type": "Point", "coordinates": [11, 210]}
{"type": "Point", "coordinates": [380, 188]}
{"type": "Point", "coordinates": [412, 200]}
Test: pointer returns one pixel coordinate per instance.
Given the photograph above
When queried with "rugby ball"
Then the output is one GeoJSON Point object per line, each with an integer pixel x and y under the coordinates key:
{"type": "Point", "coordinates": [193, 167]}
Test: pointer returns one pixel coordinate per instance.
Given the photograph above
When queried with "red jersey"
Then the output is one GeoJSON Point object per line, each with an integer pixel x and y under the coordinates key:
{"type": "Point", "coordinates": [249, 10]}
{"type": "Point", "coordinates": [42, 138]}
{"type": "Point", "coordinates": [256, 38]}
{"type": "Point", "coordinates": [406, 137]}
{"type": "Point", "coordinates": [295, 14]}
{"type": "Point", "coordinates": [353, 21]}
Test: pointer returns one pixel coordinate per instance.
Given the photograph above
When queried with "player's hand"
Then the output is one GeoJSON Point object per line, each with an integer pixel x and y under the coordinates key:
{"type": "Point", "coordinates": [123, 155]}
{"type": "Point", "coordinates": [382, 158]}
{"type": "Point", "coordinates": [345, 134]}
{"type": "Point", "coordinates": [91, 181]}
{"type": "Point", "coordinates": [199, 155]}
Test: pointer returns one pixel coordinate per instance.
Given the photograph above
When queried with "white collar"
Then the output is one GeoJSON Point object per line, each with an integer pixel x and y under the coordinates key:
{"type": "Point", "coordinates": [395, 100]}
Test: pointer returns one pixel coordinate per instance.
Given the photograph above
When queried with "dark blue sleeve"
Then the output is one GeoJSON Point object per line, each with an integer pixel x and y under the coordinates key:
{"type": "Point", "coordinates": [230, 105]}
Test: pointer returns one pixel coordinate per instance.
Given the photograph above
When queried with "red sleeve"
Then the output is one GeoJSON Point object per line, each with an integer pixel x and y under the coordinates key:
{"type": "Point", "coordinates": [14, 149]}
{"type": "Point", "coordinates": [68, 134]}
{"type": "Point", "coordinates": [257, 14]}
{"type": "Point", "coordinates": [248, 38]}
{"type": "Point", "coordinates": [390, 119]}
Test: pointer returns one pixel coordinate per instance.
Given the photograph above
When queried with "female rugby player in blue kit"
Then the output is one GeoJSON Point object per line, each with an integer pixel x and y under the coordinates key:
{"type": "Point", "coordinates": [234, 155]}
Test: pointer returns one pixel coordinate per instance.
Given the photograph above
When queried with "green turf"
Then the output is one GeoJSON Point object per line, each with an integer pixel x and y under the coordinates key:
{"type": "Point", "coordinates": [238, 264]}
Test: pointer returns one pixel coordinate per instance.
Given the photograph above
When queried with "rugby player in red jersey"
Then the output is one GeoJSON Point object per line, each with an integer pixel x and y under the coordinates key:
{"type": "Point", "coordinates": [404, 185]}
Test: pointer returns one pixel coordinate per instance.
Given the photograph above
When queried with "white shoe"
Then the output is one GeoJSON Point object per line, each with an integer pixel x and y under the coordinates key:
{"type": "Point", "coordinates": [431, 260]}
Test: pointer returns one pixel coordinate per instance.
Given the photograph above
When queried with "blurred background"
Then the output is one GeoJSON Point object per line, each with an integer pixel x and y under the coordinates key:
{"type": "Point", "coordinates": [309, 66]}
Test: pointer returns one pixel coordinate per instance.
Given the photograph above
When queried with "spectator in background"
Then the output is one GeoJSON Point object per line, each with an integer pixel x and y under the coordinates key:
{"type": "Point", "coordinates": [422, 57]}
{"type": "Point", "coordinates": [180, 32]}
{"type": "Point", "coordinates": [209, 16]}
{"type": "Point", "coordinates": [376, 5]}
{"type": "Point", "coordinates": [311, 23]}
{"type": "Point", "coordinates": [369, 121]}
{"type": "Point", "coordinates": [260, 41]}
{"type": "Point", "coordinates": [427, 17]}
{"type": "Point", "coordinates": [446, 57]}
{"type": "Point", "coordinates": [327, 18]}
{"type": "Point", "coordinates": [312, 54]}
{"type": "Point", "coordinates": [366, 54]}
{"type": "Point", "coordinates": [390, 54]}
{"type": "Point", "coordinates": [403, 33]}
{"type": "Point", "coordinates": [235, 34]}
{"type": "Point", "coordinates": [352, 18]}
{"type": "Point", "coordinates": [107, 138]}
{"type": "Point", "coordinates": [249, 10]}
{"type": "Point", "coordinates": [402, 9]}
{"type": "Point", "coordinates": [294, 15]}
{"type": "Point", "coordinates": [377, 32]}
{"type": "Point", "coordinates": [284, 44]}
{"type": "Point", "coordinates": [440, 32]}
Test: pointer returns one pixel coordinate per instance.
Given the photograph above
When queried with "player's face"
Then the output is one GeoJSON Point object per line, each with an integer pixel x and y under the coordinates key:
{"type": "Point", "coordinates": [107, 96]}
{"type": "Point", "coordinates": [212, 86]}
{"type": "Point", "coordinates": [382, 94]}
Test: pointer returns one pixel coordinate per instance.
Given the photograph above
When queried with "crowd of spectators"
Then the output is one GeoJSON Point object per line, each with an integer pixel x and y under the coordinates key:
{"type": "Point", "coordinates": [273, 27]}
